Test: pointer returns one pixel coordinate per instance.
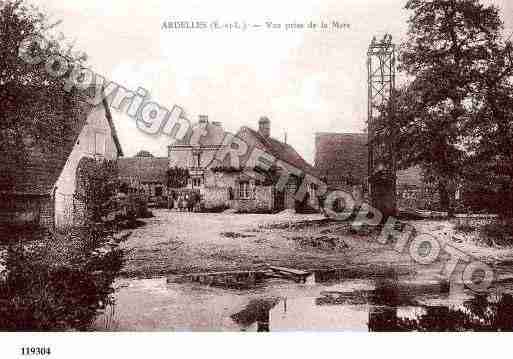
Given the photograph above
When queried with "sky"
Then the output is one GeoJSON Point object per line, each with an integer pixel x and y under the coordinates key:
{"type": "Point", "coordinates": [305, 81]}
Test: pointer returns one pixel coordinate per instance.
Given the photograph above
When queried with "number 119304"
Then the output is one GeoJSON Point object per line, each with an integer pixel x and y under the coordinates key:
{"type": "Point", "coordinates": [35, 351]}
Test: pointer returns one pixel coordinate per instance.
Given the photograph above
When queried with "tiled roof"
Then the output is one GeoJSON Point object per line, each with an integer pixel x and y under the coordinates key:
{"type": "Point", "coordinates": [341, 157]}
{"type": "Point", "coordinates": [282, 151]}
{"type": "Point", "coordinates": [144, 169]}
{"type": "Point", "coordinates": [37, 137]}
{"type": "Point", "coordinates": [279, 150]}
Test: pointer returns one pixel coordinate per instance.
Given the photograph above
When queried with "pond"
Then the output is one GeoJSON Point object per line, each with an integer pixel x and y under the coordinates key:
{"type": "Point", "coordinates": [325, 302]}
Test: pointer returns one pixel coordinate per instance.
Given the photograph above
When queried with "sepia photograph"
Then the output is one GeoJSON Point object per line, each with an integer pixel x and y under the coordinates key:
{"type": "Point", "coordinates": [333, 166]}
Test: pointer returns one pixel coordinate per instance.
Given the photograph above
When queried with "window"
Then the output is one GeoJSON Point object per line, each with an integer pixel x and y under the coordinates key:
{"type": "Point", "coordinates": [291, 186]}
{"type": "Point", "coordinates": [244, 190]}
{"type": "Point", "coordinates": [196, 182]}
{"type": "Point", "coordinates": [99, 143]}
{"type": "Point", "coordinates": [311, 190]}
{"type": "Point", "coordinates": [197, 160]}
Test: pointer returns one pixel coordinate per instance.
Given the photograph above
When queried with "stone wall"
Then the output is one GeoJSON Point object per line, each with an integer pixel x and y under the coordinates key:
{"type": "Point", "coordinates": [215, 197]}
{"type": "Point", "coordinates": [290, 195]}
{"type": "Point", "coordinates": [422, 197]}
{"type": "Point", "coordinates": [64, 210]}
{"type": "Point", "coordinates": [18, 210]}
{"type": "Point", "coordinates": [24, 210]}
{"type": "Point", "coordinates": [47, 213]}
{"type": "Point", "coordinates": [95, 140]}
{"type": "Point", "coordinates": [264, 198]}
{"type": "Point", "coordinates": [263, 201]}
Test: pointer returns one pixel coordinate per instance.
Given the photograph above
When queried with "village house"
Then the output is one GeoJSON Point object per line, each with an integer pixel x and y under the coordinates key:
{"type": "Point", "coordinates": [38, 179]}
{"type": "Point", "coordinates": [342, 159]}
{"type": "Point", "coordinates": [222, 185]}
{"type": "Point", "coordinates": [145, 175]}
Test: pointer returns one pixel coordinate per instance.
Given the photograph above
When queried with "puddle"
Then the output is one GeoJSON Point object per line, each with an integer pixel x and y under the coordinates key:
{"type": "Point", "coordinates": [326, 302]}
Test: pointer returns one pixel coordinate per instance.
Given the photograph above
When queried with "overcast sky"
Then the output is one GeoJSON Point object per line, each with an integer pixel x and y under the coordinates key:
{"type": "Point", "coordinates": [304, 81]}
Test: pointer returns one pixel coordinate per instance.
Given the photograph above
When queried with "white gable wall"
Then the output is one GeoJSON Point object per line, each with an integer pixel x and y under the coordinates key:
{"type": "Point", "coordinates": [95, 140]}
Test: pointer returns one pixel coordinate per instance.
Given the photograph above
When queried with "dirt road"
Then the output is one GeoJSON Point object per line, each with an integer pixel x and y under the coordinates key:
{"type": "Point", "coordinates": [182, 242]}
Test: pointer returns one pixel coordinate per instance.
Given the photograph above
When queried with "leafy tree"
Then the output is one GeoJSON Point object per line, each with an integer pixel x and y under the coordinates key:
{"type": "Point", "coordinates": [447, 55]}
{"type": "Point", "coordinates": [18, 20]}
{"type": "Point", "coordinates": [33, 103]}
{"type": "Point", "coordinates": [491, 141]}
{"type": "Point", "coordinates": [423, 137]}
{"type": "Point", "coordinates": [54, 281]}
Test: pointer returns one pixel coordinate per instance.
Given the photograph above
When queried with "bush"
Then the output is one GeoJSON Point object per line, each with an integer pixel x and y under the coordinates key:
{"type": "Point", "coordinates": [60, 283]}
{"type": "Point", "coordinates": [464, 227]}
{"type": "Point", "coordinates": [497, 234]}
{"type": "Point", "coordinates": [134, 206]}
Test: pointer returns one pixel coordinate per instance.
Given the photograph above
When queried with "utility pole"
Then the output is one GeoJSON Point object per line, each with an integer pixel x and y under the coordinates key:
{"type": "Point", "coordinates": [382, 155]}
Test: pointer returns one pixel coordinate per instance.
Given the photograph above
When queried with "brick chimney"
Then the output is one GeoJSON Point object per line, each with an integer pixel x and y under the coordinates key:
{"type": "Point", "coordinates": [264, 127]}
{"type": "Point", "coordinates": [203, 119]}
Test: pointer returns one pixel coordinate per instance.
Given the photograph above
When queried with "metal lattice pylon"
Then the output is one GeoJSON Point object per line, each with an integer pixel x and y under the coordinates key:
{"type": "Point", "coordinates": [381, 87]}
{"type": "Point", "coordinates": [381, 63]}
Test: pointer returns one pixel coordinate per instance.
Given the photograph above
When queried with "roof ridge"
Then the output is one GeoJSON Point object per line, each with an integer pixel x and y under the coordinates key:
{"type": "Point", "coordinates": [297, 160]}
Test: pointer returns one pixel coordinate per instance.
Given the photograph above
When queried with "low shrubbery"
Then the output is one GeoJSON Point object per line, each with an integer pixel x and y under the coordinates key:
{"type": "Point", "coordinates": [60, 282]}
{"type": "Point", "coordinates": [464, 227]}
{"type": "Point", "coordinates": [497, 234]}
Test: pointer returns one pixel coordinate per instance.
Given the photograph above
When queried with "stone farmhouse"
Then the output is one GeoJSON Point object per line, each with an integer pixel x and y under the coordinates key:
{"type": "Point", "coordinates": [243, 187]}
{"type": "Point", "coordinates": [42, 156]}
{"type": "Point", "coordinates": [147, 175]}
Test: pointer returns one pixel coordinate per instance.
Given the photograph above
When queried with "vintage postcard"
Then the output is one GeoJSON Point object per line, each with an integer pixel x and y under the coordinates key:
{"type": "Point", "coordinates": [205, 166]}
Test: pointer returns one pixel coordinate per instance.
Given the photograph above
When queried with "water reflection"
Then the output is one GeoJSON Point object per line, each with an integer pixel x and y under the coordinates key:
{"type": "Point", "coordinates": [386, 302]}
{"type": "Point", "coordinates": [480, 313]}
{"type": "Point", "coordinates": [387, 305]}
{"type": "Point", "coordinates": [256, 312]}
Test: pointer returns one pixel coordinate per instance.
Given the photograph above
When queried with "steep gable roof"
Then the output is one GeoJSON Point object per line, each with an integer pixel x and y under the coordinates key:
{"type": "Point", "coordinates": [280, 150]}
{"type": "Point", "coordinates": [341, 157]}
{"type": "Point", "coordinates": [144, 169]}
{"type": "Point", "coordinates": [38, 135]}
